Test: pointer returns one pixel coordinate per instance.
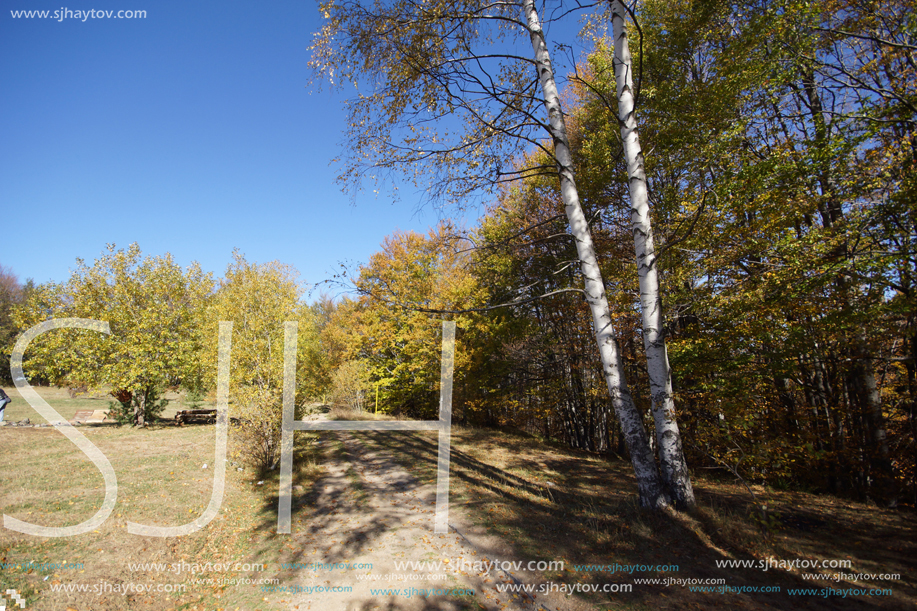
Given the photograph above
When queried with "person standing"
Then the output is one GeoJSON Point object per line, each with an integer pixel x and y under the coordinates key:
{"type": "Point", "coordinates": [4, 400]}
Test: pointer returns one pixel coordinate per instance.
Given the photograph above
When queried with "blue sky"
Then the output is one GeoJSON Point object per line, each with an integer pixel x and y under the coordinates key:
{"type": "Point", "coordinates": [191, 131]}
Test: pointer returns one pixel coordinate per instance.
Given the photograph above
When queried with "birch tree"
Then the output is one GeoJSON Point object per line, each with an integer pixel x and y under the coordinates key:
{"type": "Point", "coordinates": [675, 476]}
{"type": "Point", "coordinates": [779, 140]}
{"type": "Point", "coordinates": [445, 90]}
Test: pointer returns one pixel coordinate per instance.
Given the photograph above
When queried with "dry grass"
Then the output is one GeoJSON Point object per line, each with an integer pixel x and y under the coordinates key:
{"type": "Point", "coordinates": [544, 501]}
{"type": "Point", "coordinates": [557, 504]}
{"type": "Point", "coordinates": [161, 481]}
{"type": "Point", "coordinates": [60, 399]}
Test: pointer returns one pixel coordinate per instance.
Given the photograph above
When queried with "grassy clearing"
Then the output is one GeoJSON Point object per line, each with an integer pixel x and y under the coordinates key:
{"type": "Point", "coordinates": [67, 406]}
{"type": "Point", "coordinates": [162, 480]}
{"type": "Point", "coordinates": [544, 501]}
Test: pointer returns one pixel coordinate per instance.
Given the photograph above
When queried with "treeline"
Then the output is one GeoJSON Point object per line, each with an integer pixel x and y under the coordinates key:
{"type": "Point", "coordinates": [163, 334]}
{"type": "Point", "coordinates": [781, 174]}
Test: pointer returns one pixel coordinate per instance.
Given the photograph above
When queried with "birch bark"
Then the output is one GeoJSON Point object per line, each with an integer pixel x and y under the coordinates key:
{"type": "Point", "coordinates": [647, 474]}
{"type": "Point", "coordinates": [675, 477]}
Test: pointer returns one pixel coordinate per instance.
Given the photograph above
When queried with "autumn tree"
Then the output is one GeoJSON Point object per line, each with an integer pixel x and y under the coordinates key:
{"type": "Point", "coordinates": [450, 93]}
{"type": "Point", "coordinates": [776, 134]}
{"type": "Point", "coordinates": [322, 355]}
{"type": "Point", "coordinates": [545, 369]}
{"type": "Point", "coordinates": [152, 307]}
{"type": "Point", "coordinates": [397, 342]}
{"type": "Point", "coordinates": [674, 469]}
{"type": "Point", "coordinates": [817, 173]}
{"type": "Point", "coordinates": [11, 293]}
{"type": "Point", "coordinates": [257, 299]}
{"type": "Point", "coordinates": [350, 385]}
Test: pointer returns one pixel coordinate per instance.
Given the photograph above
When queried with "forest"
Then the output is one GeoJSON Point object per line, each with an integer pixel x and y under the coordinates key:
{"type": "Point", "coordinates": [742, 183]}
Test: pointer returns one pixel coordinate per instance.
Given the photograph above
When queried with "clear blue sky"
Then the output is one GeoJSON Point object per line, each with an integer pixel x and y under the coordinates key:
{"type": "Point", "coordinates": [191, 131]}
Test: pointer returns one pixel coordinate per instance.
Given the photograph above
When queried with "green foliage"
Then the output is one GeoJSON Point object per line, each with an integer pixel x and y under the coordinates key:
{"type": "Point", "coordinates": [775, 139]}
{"type": "Point", "coordinates": [150, 403]}
{"type": "Point", "coordinates": [153, 309]}
{"type": "Point", "coordinates": [258, 299]}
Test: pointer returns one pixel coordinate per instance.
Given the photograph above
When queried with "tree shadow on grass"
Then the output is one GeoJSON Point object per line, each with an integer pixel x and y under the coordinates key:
{"type": "Point", "coordinates": [590, 516]}
{"type": "Point", "coordinates": [582, 510]}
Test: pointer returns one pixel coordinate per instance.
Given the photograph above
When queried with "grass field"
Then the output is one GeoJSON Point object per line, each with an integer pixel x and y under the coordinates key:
{"type": "Point", "coordinates": [162, 480]}
{"type": "Point", "coordinates": [544, 501]}
{"type": "Point", "coordinates": [67, 406]}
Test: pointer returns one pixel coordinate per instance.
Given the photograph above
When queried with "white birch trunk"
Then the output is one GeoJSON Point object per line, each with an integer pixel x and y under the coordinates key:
{"type": "Point", "coordinates": [647, 474]}
{"type": "Point", "coordinates": [675, 476]}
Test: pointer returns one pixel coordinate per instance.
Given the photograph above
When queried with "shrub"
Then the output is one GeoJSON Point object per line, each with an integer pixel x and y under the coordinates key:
{"type": "Point", "coordinates": [350, 384]}
{"type": "Point", "coordinates": [129, 404]}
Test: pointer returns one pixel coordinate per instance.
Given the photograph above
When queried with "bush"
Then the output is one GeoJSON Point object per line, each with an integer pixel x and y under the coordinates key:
{"type": "Point", "coordinates": [129, 405]}
{"type": "Point", "coordinates": [256, 438]}
{"type": "Point", "coordinates": [349, 385]}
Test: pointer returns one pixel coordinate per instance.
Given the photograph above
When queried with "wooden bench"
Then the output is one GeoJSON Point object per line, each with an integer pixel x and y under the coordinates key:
{"type": "Point", "coordinates": [90, 416]}
{"type": "Point", "coordinates": [206, 416]}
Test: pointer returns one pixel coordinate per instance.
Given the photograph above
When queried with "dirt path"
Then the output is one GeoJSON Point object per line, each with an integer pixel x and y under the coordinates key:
{"type": "Point", "coordinates": [368, 510]}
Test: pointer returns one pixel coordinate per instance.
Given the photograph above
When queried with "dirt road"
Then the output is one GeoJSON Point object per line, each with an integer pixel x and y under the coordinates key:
{"type": "Point", "coordinates": [368, 511]}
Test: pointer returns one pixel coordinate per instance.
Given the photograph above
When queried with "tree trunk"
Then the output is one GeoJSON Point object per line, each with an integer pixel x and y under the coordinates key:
{"type": "Point", "coordinates": [651, 494]}
{"type": "Point", "coordinates": [675, 476]}
{"type": "Point", "coordinates": [883, 491]}
{"type": "Point", "coordinates": [140, 408]}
